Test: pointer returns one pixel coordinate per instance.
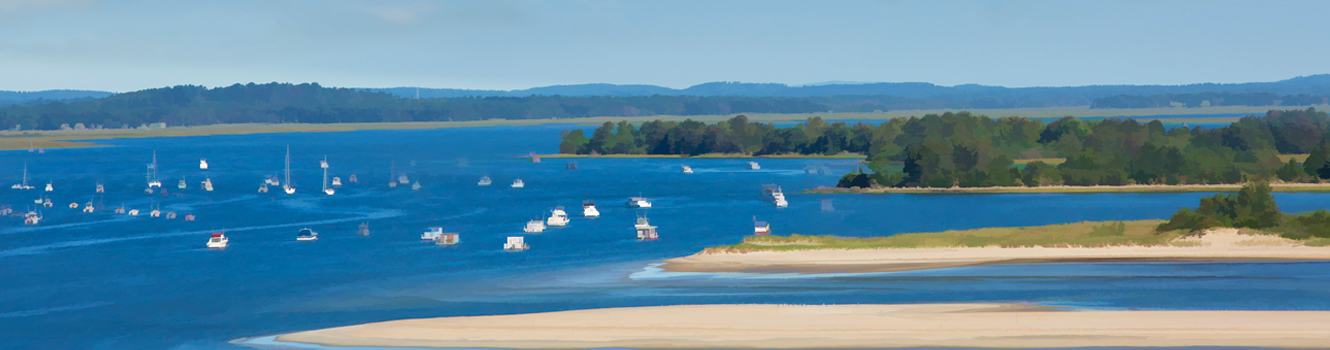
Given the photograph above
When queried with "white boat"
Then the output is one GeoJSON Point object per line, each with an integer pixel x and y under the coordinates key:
{"type": "Point", "coordinates": [49, 188]}
{"type": "Point", "coordinates": [450, 238]}
{"type": "Point", "coordinates": [534, 226]}
{"type": "Point", "coordinates": [515, 244]}
{"type": "Point", "coordinates": [182, 184]}
{"type": "Point", "coordinates": [133, 212]}
{"type": "Point", "coordinates": [120, 210]}
{"type": "Point", "coordinates": [32, 218]}
{"type": "Point", "coordinates": [287, 185]}
{"type": "Point", "coordinates": [415, 186]}
{"type": "Point", "coordinates": [153, 182]}
{"type": "Point", "coordinates": [263, 188]}
{"type": "Point", "coordinates": [753, 165]}
{"type": "Point", "coordinates": [402, 179]}
{"type": "Point", "coordinates": [74, 205]}
{"type": "Point", "coordinates": [88, 208]}
{"type": "Point", "coordinates": [779, 197]}
{"type": "Point", "coordinates": [170, 215]}
{"type": "Point", "coordinates": [392, 173]}
{"type": "Point", "coordinates": [272, 180]}
{"type": "Point", "coordinates": [218, 240]}
{"type": "Point", "coordinates": [558, 218]}
{"type": "Point", "coordinates": [645, 231]}
{"type": "Point", "coordinates": [687, 169]}
{"type": "Point", "coordinates": [203, 164]}
{"type": "Point", "coordinates": [155, 213]}
{"type": "Point", "coordinates": [781, 203]}
{"type": "Point", "coordinates": [100, 189]}
{"type": "Point", "coordinates": [207, 184]}
{"type": "Point", "coordinates": [337, 181]}
{"type": "Point", "coordinates": [324, 164]}
{"type": "Point", "coordinates": [517, 183]}
{"type": "Point", "coordinates": [432, 234]}
{"type": "Point", "coordinates": [23, 185]}
{"type": "Point", "coordinates": [638, 202]}
{"type": "Point", "coordinates": [761, 227]}
{"type": "Point", "coordinates": [307, 234]}
{"type": "Point", "coordinates": [589, 209]}
{"type": "Point", "coordinates": [484, 181]}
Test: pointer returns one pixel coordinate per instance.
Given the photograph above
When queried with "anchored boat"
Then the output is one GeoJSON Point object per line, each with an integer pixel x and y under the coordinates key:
{"type": "Point", "coordinates": [218, 240]}
{"type": "Point", "coordinates": [515, 244]}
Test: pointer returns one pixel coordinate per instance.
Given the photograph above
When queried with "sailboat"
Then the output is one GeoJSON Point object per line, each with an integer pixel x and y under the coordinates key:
{"type": "Point", "coordinates": [324, 164]}
{"type": "Point", "coordinates": [263, 188]}
{"type": "Point", "coordinates": [48, 186]}
{"type": "Point", "coordinates": [286, 186]}
{"type": "Point", "coordinates": [392, 175]}
{"type": "Point", "coordinates": [100, 189]}
{"type": "Point", "coordinates": [182, 184]}
{"type": "Point", "coordinates": [30, 149]}
{"type": "Point", "coordinates": [207, 184]}
{"type": "Point", "coordinates": [203, 164]}
{"type": "Point", "coordinates": [24, 185]}
{"type": "Point", "coordinates": [415, 186]}
{"type": "Point", "coordinates": [152, 173]}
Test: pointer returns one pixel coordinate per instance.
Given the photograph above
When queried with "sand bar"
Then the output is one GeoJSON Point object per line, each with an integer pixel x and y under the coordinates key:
{"type": "Point", "coordinates": [1216, 246]}
{"type": "Point", "coordinates": [840, 326]}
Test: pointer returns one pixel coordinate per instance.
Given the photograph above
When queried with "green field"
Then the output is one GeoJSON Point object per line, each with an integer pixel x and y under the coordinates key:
{"type": "Point", "coordinates": [1081, 234]}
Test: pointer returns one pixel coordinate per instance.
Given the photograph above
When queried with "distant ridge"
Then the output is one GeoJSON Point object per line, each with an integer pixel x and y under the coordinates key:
{"type": "Point", "coordinates": [1073, 95]}
{"type": "Point", "coordinates": [18, 97]}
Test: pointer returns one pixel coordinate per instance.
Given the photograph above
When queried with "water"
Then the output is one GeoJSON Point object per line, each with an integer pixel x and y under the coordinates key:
{"type": "Point", "coordinates": [106, 281]}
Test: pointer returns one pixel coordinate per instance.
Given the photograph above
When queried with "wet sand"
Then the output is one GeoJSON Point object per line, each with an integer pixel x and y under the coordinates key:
{"type": "Point", "coordinates": [840, 326]}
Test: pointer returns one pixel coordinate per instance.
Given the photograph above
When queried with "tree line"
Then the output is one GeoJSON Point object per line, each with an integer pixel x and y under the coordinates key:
{"type": "Point", "coordinates": [1252, 207]}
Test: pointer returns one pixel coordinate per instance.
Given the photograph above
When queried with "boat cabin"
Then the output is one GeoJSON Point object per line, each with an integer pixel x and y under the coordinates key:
{"type": "Point", "coordinates": [431, 234]}
{"type": "Point", "coordinates": [761, 228]}
{"type": "Point", "coordinates": [450, 238]}
{"type": "Point", "coordinates": [515, 243]}
{"type": "Point", "coordinates": [645, 231]}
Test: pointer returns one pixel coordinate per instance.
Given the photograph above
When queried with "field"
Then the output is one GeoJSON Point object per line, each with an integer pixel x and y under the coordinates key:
{"type": "Point", "coordinates": [1081, 234]}
{"type": "Point", "coordinates": [1276, 187]}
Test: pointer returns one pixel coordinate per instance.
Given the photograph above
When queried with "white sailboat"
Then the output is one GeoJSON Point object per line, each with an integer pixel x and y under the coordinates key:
{"type": "Point", "coordinates": [48, 187]}
{"type": "Point", "coordinates": [100, 189]}
{"type": "Point", "coordinates": [203, 164]}
{"type": "Point", "coordinates": [23, 185]}
{"type": "Point", "coordinates": [153, 182]}
{"type": "Point", "coordinates": [753, 166]}
{"type": "Point", "coordinates": [392, 175]}
{"type": "Point", "coordinates": [415, 186]}
{"type": "Point", "coordinates": [286, 186]}
{"type": "Point", "coordinates": [324, 164]}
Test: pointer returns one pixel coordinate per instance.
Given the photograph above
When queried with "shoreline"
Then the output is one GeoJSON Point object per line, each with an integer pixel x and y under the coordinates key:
{"type": "Point", "coordinates": [1275, 187]}
{"type": "Point", "coordinates": [770, 326]}
{"type": "Point", "coordinates": [704, 156]}
{"type": "Point", "coordinates": [1218, 245]}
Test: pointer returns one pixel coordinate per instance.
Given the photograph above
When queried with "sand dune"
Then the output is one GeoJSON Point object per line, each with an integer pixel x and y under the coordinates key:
{"type": "Point", "coordinates": [1215, 245]}
{"type": "Point", "coordinates": [841, 326]}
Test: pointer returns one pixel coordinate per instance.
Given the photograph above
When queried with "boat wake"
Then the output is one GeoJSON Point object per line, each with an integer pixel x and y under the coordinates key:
{"type": "Point", "coordinates": [39, 249]}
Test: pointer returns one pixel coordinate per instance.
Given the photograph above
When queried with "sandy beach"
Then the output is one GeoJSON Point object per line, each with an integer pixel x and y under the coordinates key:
{"type": "Point", "coordinates": [840, 326]}
{"type": "Point", "coordinates": [1214, 246]}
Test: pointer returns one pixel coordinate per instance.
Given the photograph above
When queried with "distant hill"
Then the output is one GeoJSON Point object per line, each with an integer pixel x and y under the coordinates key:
{"type": "Point", "coordinates": [20, 97]}
{"type": "Point", "coordinates": [1317, 85]}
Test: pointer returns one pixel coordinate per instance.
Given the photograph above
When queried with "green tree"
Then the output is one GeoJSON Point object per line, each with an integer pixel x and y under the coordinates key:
{"type": "Point", "coordinates": [1315, 161]}
{"type": "Point", "coordinates": [573, 142]}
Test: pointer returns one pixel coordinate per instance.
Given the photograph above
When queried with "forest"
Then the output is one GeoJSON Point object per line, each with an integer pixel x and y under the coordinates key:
{"type": "Point", "coordinates": [966, 150]}
{"type": "Point", "coordinates": [1252, 207]}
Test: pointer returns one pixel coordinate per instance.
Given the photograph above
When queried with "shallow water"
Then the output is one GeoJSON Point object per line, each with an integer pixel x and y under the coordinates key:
{"type": "Point", "coordinates": [106, 281]}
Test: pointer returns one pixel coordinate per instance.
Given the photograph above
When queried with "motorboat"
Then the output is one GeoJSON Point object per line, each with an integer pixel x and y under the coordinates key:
{"type": "Point", "coordinates": [687, 169]}
{"type": "Point", "coordinates": [517, 183]}
{"type": "Point", "coordinates": [352, 179]}
{"type": "Point", "coordinates": [286, 186]}
{"type": "Point", "coordinates": [753, 165]}
{"type": "Point", "coordinates": [263, 188]}
{"type": "Point", "coordinates": [100, 188]}
{"type": "Point", "coordinates": [415, 186]}
{"type": "Point", "coordinates": [47, 203]}
{"type": "Point", "coordinates": [781, 203]}
{"type": "Point", "coordinates": [189, 217]}
{"type": "Point", "coordinates": [207, 184]}
{"type": "Point", "coordinates": [402, 179]}
{"type": "Point", "coordinates": [203, 164]}
{"type": "Point", "coordinates": [218, 240]}
{"type": "Point", "coordinates": [23, 185]}
{"type": "Point", "coordinates": [182, 184]}
{"type": "Point", "coordinates": [307, 234]}
{"type": "Point", "coordinates": [88, 208]}
{"type": "Point", "coordinates": [337, 181]}
{"type": "Point", "coordinates": [638, 202]}
{"type": "Point", "coordinates": [32, 218]}
{"type": "Point", "coordinates": [570, 166]}
{"type": "Point", "coordinates": [324, 164]}
{"type": "Point", "coordinates": [451, 238]}
{"type": "Point", "coordinates": [645, 232]}
{"type": "Point", "coordinates": [558, 218]}
{"type": "Point", "coordinates": [148, 190]}
{"type": "Point", "coordinates": [534, 226]}
{"type": "Point", "coordinates": [761, 227]}
{"type": "Point", "coordinates": [272, 181]}
{"type": "Point", "coordinates": [120, 210]}
{"type": "Point", "coordinates": [49, 188]}
{"type": "Point", "coordinates": [170, 215]}
{"type": "Point", "coordinates": [133, 212]}
{"type": "Point", "coordinates": [431, 234]}
{"type": "Point", "coordinates": [364, 229]}
{"type": "Point", "coordinates": [155, 213]}
{"type": "Point", "coordinates": [484, 181]}
{"type": "Point", "coordinates": [589, 209]}
{"type": "Point", "coordinates": [515, 244]}
{"type": "Point", "coordinates": [74, 205]}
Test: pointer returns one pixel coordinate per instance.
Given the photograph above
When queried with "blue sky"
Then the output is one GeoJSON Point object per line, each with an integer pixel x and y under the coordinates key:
{"type": "Point", "coordinates": [130, 45]}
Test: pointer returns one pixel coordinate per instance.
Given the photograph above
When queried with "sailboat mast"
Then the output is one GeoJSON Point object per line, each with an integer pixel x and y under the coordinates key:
{"type": "Point", "coordinates": [25, 174]}
{"type": "Point", "coordinates": [288, 165]}
{"type": "Point", "coordinates": [325, 172]}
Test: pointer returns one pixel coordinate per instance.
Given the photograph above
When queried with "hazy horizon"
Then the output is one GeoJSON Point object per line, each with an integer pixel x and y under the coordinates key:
{"type": "Point", "coordinates": [133, 45]}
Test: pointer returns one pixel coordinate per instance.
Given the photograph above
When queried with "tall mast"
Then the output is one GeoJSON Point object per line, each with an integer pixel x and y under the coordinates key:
{"type": "Point", "coordinates": [25, 174]}
{"type": "Point", "coordinates": [288, 165]}
{"type": "Point", "coordinates": [324, 165]}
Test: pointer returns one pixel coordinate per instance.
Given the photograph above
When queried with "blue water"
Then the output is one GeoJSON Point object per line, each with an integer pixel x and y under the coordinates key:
{"type": "Point", "coordinates": [106, 281]}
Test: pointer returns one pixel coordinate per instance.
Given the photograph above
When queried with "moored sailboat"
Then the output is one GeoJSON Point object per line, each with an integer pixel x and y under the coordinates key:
{"type": "Point", "coordinates": [324, 164]}
{"type": "Point", "coordinates": [286, 186]}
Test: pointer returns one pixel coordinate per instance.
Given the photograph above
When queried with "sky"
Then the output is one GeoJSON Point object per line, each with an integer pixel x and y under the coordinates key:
{"type": "Point", "coordinates": [131, 44]}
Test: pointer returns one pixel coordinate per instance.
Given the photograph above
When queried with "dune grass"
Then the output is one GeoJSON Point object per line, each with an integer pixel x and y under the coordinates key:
{"type": "Point", "coordinates": [843, 155]}
{"type": "Point", "coordinates": [1081, 234]}
{"type": "Point", "coordinates": [1280, 187]}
